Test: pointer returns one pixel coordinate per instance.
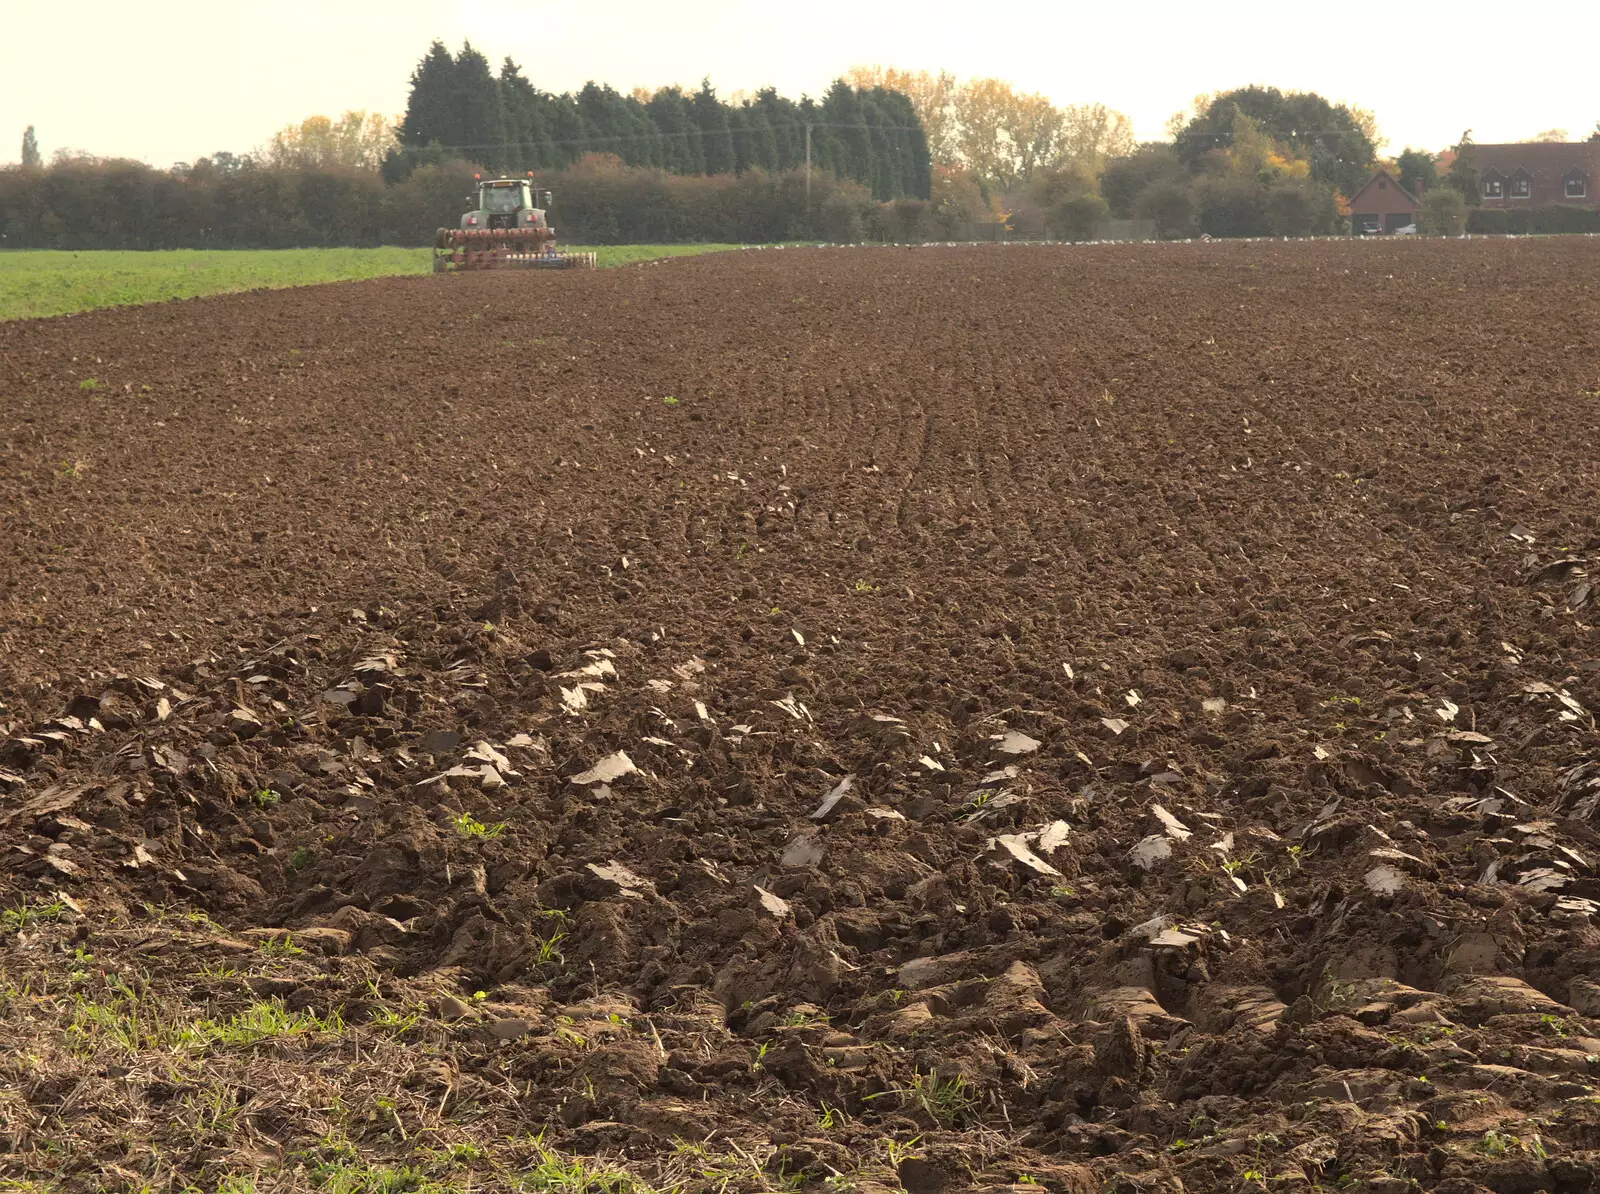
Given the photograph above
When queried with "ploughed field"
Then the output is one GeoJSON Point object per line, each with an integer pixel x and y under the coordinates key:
{"type": "Point", "coordinates": [1111, 718]}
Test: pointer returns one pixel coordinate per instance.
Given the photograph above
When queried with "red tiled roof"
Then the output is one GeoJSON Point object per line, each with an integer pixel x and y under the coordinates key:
{"type": "Point", "coordinates": [1547, 164]}
{"type": "Point", "coordinates": [1385, 200]}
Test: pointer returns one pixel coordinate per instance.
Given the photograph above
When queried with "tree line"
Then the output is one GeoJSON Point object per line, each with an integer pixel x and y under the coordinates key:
{"type": "Point", "coordinates": [460, 108]}
{"type": "Point", "coordinates": [85, 203]}
{"type": "Point", "coordinates": [896, 155]}
{"type": "Point", "coordinates": [1255, 161]}
{"type": "Point", "coordinates": [663, 165]}
{"type": "Point", "coordinates": [998, 162]}
{"type": "Point", "coordinates": [1002, 137]}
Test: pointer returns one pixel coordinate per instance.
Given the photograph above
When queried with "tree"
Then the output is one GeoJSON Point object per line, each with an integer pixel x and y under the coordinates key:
{"type": "Point", "coordinates": [614, 123]}
{"type": "Point", "coordinates": [907, 145]}
{"type": "Point", "coordinates": [957, 202]}
{"type": "Point", "coordinates": [784, 120]}
{"type": "Point", "coordinates": [357, 140]}
{"type": "Point", "coordinates": [1253, 153]}
{"type": "Point", "coordinates": [1549, 135]}
{"type": "Point", "coordinates": [430, 118]}
{"type": "Point", "coordinates": [760, 145]}
{"type": "Point", "coordinates": [527, 129]}
{"type": "Point", "coordinates": [454, 110]}
{"type": "Point", "coordinates": [1036, 132]}
{"type": "Point", "coordinates": [1092, 134]}
{"type": "Point", "coordinates": [844, 143]}
{"type": "Point", "coordinates": [457, 109]}
{"type": "Point", "coordinates": [710, 116]}
{"type": "Point", "coordinates": [1418, 172]}
{"type": "Point", "coordinates": [1125, 178]}
{"type": "Point", "coordinates": [1464, 171]}
{"type": "Point", "coordinates": [1300, 208]}
{"type": "Point", "coordinates": [1365, 120]}
{"type": "Point", "coordinates": [1444, 213]}
{"type": "Point", "coordinates": [1076, 218]}
{"type": "Point", "coordinates": [932, 98]}
{"type": "Point", "coordinates": [1232, 207]}
{"type": "Point", "coordinates": [568, 130]}
{"type": "Point", "coordinates": [1170, 204]}
{"type": "Point", "coordinates": [681, 151]}
{"type": "Point", "coordinates": [981, 108]}
{"type": "Point", "coordinates": [1050, 200]}
{"type": "Point", "coordinates": [1183, 117]}
{"type": "Point", "coordinates": [1005, 136]}
{"type": "Point", "coordinates": [1336, 141]}
{"type": "Point", "coordinates": [842, 215]}
{"type": "Point", "coordinates": [31, 158]}
{"type": "Point", "coordinates": [479, 115]}
{"type": "Point", "coordinates": [1595, 136]}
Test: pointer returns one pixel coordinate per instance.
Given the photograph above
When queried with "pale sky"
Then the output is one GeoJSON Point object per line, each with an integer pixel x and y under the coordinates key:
{"type": "Point", "coordinates": [172, 80]}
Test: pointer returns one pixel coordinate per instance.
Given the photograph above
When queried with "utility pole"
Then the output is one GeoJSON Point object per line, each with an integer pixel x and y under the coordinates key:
{"type": "Point", "coordinates": [808, 165]}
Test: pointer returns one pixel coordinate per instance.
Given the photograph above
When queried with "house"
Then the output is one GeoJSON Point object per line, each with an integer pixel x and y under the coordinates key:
{"type": "Point", "coordinates": [1538, 174]}
{"type": "Point", "coordinates": [1382, 206]}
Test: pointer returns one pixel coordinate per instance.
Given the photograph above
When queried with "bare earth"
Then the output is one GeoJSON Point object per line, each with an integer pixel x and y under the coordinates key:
{"type": "Point", "coordinates": [1117, 718]}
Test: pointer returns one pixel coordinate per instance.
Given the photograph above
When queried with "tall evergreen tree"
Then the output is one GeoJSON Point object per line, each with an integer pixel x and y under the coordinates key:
{"type": "Point", "coordinates": [681, 150]}
{"type": "Point", "coordinates": [883, 168]}
{"type": "Point", "coordinates": [31, 158]}
{"type": "Point", "coordinates": [648, 151]}
{"type": "Point", "coordinates": [568, 132]}
{"type": "Point", "coordinates": [1464, 171]}
{"type": "Point", "coordinates": [429, 119]}
{"type": "Point", "coordinates": [458, 108]}
{"type": "Point", "coordinates": [455, 110]}
{"type": "Point", "coordinates": [739, 129]}
{"type": "Point", "coordinates": [808, 112]}
{"type": "Point", "coordinates": [788, 128]}
{"type": "Point", "coordinates": [710, 116]}
{"type": "Point", "coordinates": [479, 118]}
{"type": "Point", "coordinates": [761, 146]}
{"type": "Point", "coordinates": [617, 124]}
{"type": "Point", "coordinates": [849, 149]}
{"type": "Point", "coordinates": [524, 109]}
{"type": "Point", "coordinates": [601, 132]}
{"type": "Point", "coordinates": [913, 163]}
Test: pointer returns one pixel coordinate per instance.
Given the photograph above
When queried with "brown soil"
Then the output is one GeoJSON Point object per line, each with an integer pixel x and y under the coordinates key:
{"type": "Point", "coordinates": [1115, 718]}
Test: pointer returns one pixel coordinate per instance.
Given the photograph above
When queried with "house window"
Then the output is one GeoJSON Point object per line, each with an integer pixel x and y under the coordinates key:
{"type": "Point", "coordinates": [1577, 186]}
{"type": "Point", "coordinates": [1493, 188]}
{"type": "Point", "coordinates": [1521, 188]}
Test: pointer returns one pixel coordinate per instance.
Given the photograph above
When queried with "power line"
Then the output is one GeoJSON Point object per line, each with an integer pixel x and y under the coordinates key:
{"type": "Point", "coordinates": [1299, 133]}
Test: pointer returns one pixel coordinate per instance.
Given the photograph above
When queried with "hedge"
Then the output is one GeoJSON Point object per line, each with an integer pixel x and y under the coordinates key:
{"type": "Point", "coordinates": [1532, 221]}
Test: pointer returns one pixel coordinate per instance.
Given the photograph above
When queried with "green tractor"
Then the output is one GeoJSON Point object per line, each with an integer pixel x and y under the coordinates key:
{"type": "Point", "coordinates": [506, 229]}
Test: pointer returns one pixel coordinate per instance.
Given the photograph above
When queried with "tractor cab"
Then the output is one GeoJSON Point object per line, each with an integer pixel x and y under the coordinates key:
{"type": "Point", "coordinates": [506, 203]}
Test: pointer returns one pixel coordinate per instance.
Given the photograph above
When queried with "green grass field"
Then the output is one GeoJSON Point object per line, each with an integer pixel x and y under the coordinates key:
{"type": "Point", "coordinates": [39, 283]}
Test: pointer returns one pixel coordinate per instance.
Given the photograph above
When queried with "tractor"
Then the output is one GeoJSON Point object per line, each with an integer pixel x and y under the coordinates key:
{"type": "Point", "coordinates": [506, 229]}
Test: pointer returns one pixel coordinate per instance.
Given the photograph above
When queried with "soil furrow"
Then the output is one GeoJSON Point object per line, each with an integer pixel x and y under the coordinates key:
{"type": "Point", "coordinates": [1110, 717]}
